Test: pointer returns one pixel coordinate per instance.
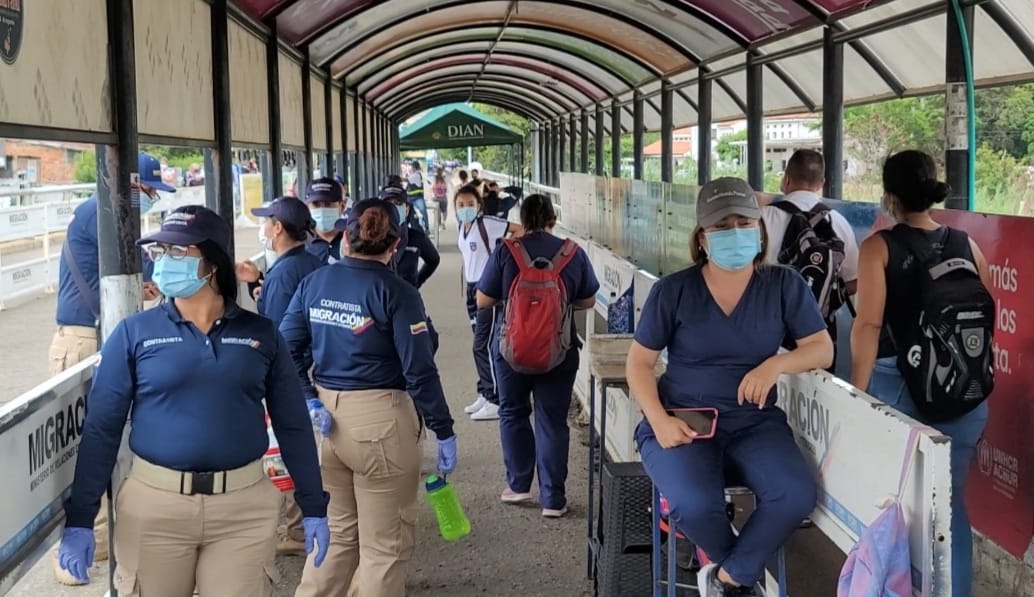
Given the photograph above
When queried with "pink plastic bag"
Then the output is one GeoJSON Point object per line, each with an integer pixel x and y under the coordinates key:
{"type": "Point", "coordinates": [880, 564]}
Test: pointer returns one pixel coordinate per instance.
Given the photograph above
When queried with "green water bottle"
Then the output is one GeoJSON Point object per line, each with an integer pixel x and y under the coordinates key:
{"type": "Point", "coordinates": [452, 522]}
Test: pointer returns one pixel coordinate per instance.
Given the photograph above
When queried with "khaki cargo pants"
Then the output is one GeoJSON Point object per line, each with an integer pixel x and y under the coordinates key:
{"type": "Point", "coordinates": [167, 543]}
{"type": "Point", "coordinates": [71, 345]}
{"type": "Point", "coordinates": [371, 468]}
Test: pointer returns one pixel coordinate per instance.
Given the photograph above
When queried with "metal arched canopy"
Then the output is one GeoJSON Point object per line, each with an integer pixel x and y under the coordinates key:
{"type": "Point", "coordinates": [513, 84]}
{"type": "Point", "coordinates": [581, 89]}
{"type": "Point", "coordinates": [542, 41]}
{"type": "Point", "coordinates": [514, 54]}
{"type": "Point", "coordinates": [668, 40]}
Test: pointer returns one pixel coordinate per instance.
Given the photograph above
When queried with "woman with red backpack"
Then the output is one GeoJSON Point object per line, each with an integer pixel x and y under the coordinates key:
{"type": "Point", "coordinates": [542, 278]}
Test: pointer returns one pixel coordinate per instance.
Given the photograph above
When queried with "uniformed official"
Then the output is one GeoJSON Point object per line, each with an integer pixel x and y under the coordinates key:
{"type": "Point", "coordinates": [286, 227]}
{"type": "Point", "coordinates": [415, 247]}
{"type": "Point", "coordinates": [78, 303]}
{"type": "Point", "coordinates": [325, 199]}
{"type": "Point", "coordinates": [375, 377]}
{"type": "Point", "coordinates": [197, 508]}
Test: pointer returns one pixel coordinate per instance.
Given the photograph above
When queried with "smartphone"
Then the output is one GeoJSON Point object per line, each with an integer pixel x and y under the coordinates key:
{"type": "Point", "coordinates": [703, 421]}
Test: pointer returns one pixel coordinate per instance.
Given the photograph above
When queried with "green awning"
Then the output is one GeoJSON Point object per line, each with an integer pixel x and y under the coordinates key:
{"type": "Point", "coordinates": [455, 125]}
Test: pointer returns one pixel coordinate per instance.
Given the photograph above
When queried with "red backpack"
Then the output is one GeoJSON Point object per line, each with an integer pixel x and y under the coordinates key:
{"type": "Point", "coordinates": [536, 331]}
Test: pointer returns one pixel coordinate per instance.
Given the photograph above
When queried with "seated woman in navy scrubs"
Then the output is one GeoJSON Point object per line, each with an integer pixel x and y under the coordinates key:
{"type": "Point", "coordinates": [722, 321]}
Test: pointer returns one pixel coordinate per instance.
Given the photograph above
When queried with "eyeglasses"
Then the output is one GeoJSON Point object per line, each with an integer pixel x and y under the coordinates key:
{"type": "Point", "coordinates": [157, 251]}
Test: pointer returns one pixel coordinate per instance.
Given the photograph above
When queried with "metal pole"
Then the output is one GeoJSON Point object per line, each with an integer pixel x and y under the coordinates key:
{"type": "Point", "coordinates": [367, 189]}
{"type": "Point", "coordinates": [222, 157]}
{"type": "Point", "coordinates": [601, 132]}
{"type": "Point", "coordinates": [547, 154]}
{"type": "Point", "coordinates": [584, 124]}
{"type": "Point", "coordinates": [833, 114]}
{"type": "Point", "coordinates": [637, 136]}
{"type": "Point", "coordinates": [328, 110]}
{"type": "Point", "coordinates": [956, 155]}
{"type": "Point", "coordinates": [273, 180]}
{"type": "Point", "coordinates": [755, 126]}
{"type": "Point", "coordinates": [306, 161]}
{"type": "Point", "coordinates": [667, 131]}
{"type": "Point", "coordinates": [343, 107]}
{"type": "Point", "coordinates": [703, 128]}
{"type": "Point", "coordinates": [562, 130]}
{"type": "Point", "coordinates": [356, 180]}
{"type": "Point", "coordinates": [615, 139]}
{"type": "Point", "coordinates": [573, 147]}
{"type": "Point", "coordinates": [118, 216]}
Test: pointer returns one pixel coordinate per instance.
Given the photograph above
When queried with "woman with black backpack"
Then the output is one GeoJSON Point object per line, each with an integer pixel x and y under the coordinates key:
{"type": "Point", "coordinates": [913, 279]}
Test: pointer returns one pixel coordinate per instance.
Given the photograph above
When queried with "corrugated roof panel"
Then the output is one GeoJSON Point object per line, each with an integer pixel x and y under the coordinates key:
{"type": "Point", "coordinates": [915, 54]}
{"type": "Point", "coordinates": [995, 56]}
{"type": "Point", "coordinates": [757, 19]}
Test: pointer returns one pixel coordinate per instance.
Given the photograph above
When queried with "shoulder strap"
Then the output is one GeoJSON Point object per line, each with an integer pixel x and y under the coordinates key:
{"type": "Point", "coordinates": [92, 301]}
{"type": "Point", "coordinates": [564, 255]}
{"type": "Point", "coordinates": [484, 234]}
{"type": "Point", "coordinates": [913, 242]}
{"type": "Point", "coordinates": [906, 465]}
{"type": "Point", "coordinates": [520, 255]}
{"type": "Point", "coordinates": [787, 206]}
{"type": "Point", "coordinates": [818, 213]}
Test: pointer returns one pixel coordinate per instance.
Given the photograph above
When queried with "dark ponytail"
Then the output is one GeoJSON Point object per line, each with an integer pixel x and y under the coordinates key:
{"type": "Point", "coordinates": [371, 234]}
{"type": "Point", "coordinates": [911, 176]}
{"type": "Point", "coordinates": [537, 213]}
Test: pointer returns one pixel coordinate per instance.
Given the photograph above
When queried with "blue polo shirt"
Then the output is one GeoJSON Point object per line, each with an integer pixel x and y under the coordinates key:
{"type": "Point", "coordinates": [326, 252]}
{"type": "Point", "coordinates": [578, 277]}
{"type": "Point", "coordinates": [418, 248]}
{"type": "Point", "coordinates": [72, 307]}
{"type": "Point", "coordinates": [196, 404]}
{"type": "Point", "coordinates": [367, 330]}
{"type": "Point", "coordinates": [709, 352]}
{"type": "Point", "coordinates": [283, 279]}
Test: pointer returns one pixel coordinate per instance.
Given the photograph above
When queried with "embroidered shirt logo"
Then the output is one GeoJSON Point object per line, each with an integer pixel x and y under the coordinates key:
{"type": "Point", "coordinates": [340, 314]}
{"type": "Point", "coordinates": [156, 341]}
{"type": "Point", "coordinates": [251, 342]}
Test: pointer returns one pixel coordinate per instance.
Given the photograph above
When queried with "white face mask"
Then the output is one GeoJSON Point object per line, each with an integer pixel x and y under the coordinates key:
{"type": "Point", "coordinates": [267, 244]}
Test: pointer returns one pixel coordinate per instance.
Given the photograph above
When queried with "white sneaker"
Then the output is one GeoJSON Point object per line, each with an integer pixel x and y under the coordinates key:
{"type": "Point", "coordinates": [707, 581]}
{"type": "Point", "coordinates": [476, 405]}
{"type": "Point", "coordinates": [488, 412]}
{"type": "Point", "coordinates": [510, 496]}
{"type": "Point", "coordinates": [554, 512]}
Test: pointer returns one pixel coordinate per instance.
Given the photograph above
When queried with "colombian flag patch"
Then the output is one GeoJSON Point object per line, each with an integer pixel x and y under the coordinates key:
{"type": "Point", "coordinates": [418, 328]}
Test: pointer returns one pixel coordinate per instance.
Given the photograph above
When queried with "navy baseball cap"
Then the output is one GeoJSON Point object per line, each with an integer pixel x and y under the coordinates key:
{"type": "Point", "coordinates": [289, 210]}
{"type": "Point", "coordinates": [392, 194]}
{"type": "Point", "coordinates": [182, 227]}
{"type": "Point", "coordinates": [151, 173]}
{"type": "Point", "coordinates": [324, 189]}
{"type": "Point", "coordinates": [351, 220]}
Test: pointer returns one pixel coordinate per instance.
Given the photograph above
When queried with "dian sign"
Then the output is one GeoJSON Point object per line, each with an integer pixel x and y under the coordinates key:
{"type": "Point", "coordinates": [465, 131]}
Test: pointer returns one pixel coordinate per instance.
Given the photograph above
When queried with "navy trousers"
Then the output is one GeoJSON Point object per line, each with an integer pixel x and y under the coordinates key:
{"type": "Point", "coordinates": [545, 448]}
{"type": "Point", "coordinates": [757, 450]}
{"type": "Point", "coordinates": [482, 323]}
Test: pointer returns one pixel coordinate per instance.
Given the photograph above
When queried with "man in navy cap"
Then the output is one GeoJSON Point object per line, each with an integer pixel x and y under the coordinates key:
{"type": "Point", "coordinates": [78, 300]}
{"type": "Point", "coordinates": [325, 199]}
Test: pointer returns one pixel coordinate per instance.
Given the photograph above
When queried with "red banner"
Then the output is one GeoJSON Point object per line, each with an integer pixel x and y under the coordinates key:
{"type": "Point", "coordinates": [999, 494]}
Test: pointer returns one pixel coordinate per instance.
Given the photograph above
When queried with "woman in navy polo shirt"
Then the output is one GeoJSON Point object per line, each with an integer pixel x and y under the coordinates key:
{"type": "Point", "coordinates": [363, 333]}
{"type": "Point", "coordinates": [546, 447]}
{"type": "Point", "coordinates": [197, 507]}
{"type": "Point", "coordinates": [722, 322]}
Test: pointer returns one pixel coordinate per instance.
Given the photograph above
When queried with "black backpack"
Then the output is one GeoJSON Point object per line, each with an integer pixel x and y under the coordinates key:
{"type": "Point", "coordinates": [812, 248]}
{"type": "Point", "coordinates": [946, 357]}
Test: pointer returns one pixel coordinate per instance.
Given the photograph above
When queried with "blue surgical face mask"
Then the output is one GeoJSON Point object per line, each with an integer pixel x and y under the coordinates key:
{"type": "Point", "coordinates": [403, 212]}
{"type": "Point", "coordinates": [177, 278]}
{"type": "Point", "coordinates": [467, 214]}
{"type": "Point", "coordinates": [734, 248]}
{"type": "Point", "coordinates": [324, 217]}
{"type": "Point", "coordinates": [146, 203]}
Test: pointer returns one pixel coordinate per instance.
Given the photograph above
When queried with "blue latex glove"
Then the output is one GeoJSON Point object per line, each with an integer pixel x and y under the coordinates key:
{"type": "Point", "coordinates": [321, 419]}
{"type": "Point", "coordinates": [76, 552]}
{"type": "Point", "coordinates": [447, 455]}
{"type": "Point", "coordinates": [318, 530]}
